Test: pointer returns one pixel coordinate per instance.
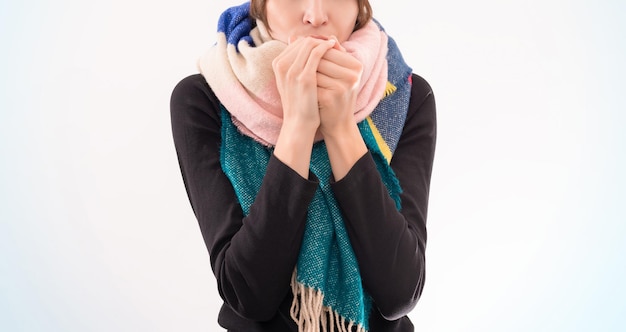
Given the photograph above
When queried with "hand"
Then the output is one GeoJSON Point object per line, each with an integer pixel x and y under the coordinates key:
{"type": "Point", "coordinates": [295, 70]}
{"type": "Point", "coordinates": [338, 78]}
{"type": "Point", "coordinates": [296, 79]}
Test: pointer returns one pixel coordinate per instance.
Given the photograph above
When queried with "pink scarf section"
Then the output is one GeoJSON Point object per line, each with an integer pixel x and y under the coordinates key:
{"type": "Point", "coordinates": [245, 84]}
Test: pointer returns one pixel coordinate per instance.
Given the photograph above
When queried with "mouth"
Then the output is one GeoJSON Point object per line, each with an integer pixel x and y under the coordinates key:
{"type": "Point", "coordinates": [319, 37]}
{"type": "Point", "coordinates": [293, 37]}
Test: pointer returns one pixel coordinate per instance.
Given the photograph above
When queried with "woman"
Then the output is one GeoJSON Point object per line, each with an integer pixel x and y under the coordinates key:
{"type": "Point", "coordinates": [306, 147]}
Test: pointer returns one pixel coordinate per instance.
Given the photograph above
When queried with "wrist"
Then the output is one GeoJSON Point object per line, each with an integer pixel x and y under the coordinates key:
{"type": "Point", "coordinates": [340, 131]}
{"type": "Point", "coordinates": [300, 126]}
{"type": "Point", "coordinates": [294, 146]}
{"type": "Point", "coordinates": [345, 147]}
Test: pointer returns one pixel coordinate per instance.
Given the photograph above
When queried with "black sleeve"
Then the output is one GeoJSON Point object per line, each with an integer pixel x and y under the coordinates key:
{"type": "Point", "coordinates": [389, 244]}
{"type": "Point", "coordinates": [252, 257]}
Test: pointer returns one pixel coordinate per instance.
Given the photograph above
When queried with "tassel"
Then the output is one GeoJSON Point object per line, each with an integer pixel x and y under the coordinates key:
{"type": "Point", "coordinates": [310, 314]}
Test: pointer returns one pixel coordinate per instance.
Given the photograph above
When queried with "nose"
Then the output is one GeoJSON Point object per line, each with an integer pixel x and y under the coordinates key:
{"type": "Point", "coordinates": [314, 13]}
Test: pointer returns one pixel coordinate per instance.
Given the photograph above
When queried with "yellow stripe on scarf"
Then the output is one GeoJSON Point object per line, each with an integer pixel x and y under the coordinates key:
{"type": "Point", "coordinates": [389, 89]}
{"type": "Point", "coordinates": [382, 145]}
{"type": "Point", "coordinates": [380, 141]}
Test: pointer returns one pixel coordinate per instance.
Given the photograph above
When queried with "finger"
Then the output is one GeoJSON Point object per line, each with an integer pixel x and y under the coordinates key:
{"type": "Point", "coordinates": [341, 58]}
{"type": "Point", "coordinates": [348, 82]}
{"type": "Point", "coordinates": [337, 46]}
{"type": "Point", "coordinates": [300, 51]}
{"type": "Point", "coordinates": [315, 55]}
{"type": "Point", "coordinates": [332, 69]}
{"type": "Point", "coordinates": [292, 49]}
{"type": "Point", "coordinates": [326, 82]}
{"type": "Point", "coordinates": [287, 59]}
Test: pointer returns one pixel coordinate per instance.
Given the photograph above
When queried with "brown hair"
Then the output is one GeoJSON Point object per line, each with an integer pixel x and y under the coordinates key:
{"type": "Point", "coordinates": [257, 11]}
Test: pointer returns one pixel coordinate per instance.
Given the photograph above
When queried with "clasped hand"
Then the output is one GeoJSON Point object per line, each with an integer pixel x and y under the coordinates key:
{"type": "Point", "coordinates": [317, 81]}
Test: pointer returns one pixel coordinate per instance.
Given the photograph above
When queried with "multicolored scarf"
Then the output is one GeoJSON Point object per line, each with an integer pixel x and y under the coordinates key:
{"type": "Point", "coordinates": [327, 286]}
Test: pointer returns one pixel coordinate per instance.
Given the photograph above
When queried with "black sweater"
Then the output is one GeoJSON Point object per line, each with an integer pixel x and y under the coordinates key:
{"type": "Point", "coordinates": [253, 257]}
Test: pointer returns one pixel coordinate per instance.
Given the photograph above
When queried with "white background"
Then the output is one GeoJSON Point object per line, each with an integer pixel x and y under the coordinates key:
{"type": "Point", "coordinates": [526, 224]}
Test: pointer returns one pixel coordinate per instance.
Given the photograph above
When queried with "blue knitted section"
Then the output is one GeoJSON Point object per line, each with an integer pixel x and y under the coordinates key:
{"type": "Point", "coordinates": [390, 113]}
{"type": "Point", "coordinates": [236, 25]}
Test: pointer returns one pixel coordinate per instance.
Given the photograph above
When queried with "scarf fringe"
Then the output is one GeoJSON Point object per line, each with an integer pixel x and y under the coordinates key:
{"type": "Point", "coordinates": [311, 315]}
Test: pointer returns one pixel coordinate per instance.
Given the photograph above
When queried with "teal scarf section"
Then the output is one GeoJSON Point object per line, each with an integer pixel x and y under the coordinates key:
{"type": "Point", "coordinates": [326, 265]}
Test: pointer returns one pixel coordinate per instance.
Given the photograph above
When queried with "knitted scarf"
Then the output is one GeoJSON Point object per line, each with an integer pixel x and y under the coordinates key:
{"type": "Point", "coordinates": [327, 287]}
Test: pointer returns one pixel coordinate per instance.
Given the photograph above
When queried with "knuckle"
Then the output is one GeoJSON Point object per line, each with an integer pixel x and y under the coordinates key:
{"type": "Point", "coordinates": [300, 78]}
{"type": "Point", "coordinates": [279, 65]}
